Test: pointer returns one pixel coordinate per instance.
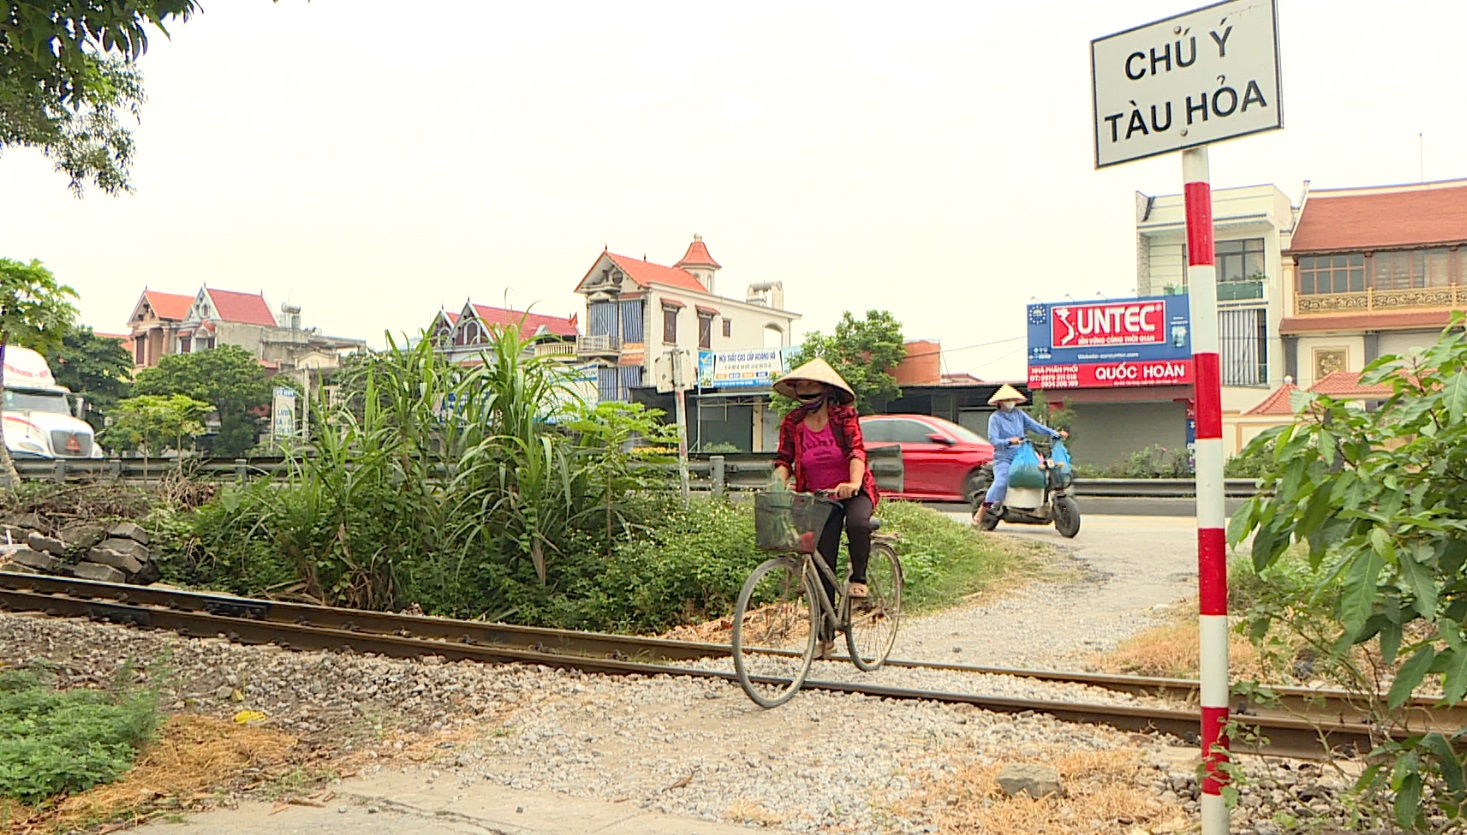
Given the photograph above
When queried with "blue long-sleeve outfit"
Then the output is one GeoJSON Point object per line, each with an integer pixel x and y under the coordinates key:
{"type": "Point", "coordinates": [1002, 426]}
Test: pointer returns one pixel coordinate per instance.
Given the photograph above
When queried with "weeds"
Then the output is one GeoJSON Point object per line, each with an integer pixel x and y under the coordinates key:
{"type": "Point", "coordinates": [62, 741]}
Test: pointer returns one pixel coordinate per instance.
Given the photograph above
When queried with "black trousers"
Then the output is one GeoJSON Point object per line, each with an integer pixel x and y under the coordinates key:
{"type": "Point", "coordinates": [854, 516]}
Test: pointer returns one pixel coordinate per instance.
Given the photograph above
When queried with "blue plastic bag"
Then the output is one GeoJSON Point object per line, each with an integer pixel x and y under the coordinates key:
{"type": "Point", "coordinates": [1059, 458]}
{"type": "Point", "coordinates": [1025, 471]}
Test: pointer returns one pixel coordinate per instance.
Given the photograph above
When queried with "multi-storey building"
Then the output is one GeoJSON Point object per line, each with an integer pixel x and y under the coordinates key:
{"type": "Point", "coordinates": [168, 323]}
{"type": "Point", "coordinates": [1251, 229]}
{"type": "Point", "coordinates": [1372, 271]}
{"type": "Point", "coordinates": [638, 311]}
{"type": "Point", "coordinates": [463, 335]}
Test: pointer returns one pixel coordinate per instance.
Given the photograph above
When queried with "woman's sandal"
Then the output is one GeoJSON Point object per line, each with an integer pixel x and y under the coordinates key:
{"type": "Point", "coordinates": [825, 649]}
{"type": "Point", "coordinates": [858, 591]}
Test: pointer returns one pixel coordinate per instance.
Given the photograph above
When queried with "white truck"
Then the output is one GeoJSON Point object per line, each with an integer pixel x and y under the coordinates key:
{"type": "Point", "coordinates": [39, 422]}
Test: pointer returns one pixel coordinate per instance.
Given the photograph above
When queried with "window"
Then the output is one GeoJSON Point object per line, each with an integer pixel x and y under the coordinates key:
{"type": "Point", "coordinates": [1239, 260]}
{"type": "Point", "coordinates": [910, 432]}
{"type": "Point", "coordinates": [1243, 344]}
{"type": "Point", "coordinates": [727, 328]}
{"type": "Point", "coordinates": [1321, 274]}
{"type": "Point", "coordinates": [705, 331]}
{"type": "Point", "coordinates": [1438, 267]}
{"type": "Point", "coordinates": [669, 325]}
{"type": "Point", "coordinates": [184, 344]}
{"type": "Point", "coordinates": [139, 348]}
{"type": "Point", "coordinates": [1397, 271]}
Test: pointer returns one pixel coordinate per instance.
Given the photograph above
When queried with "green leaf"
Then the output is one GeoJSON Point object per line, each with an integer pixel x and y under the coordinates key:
{"type": "Point", "coordinates": [1360, 589]}
{"type": "Point", "coordinates": [1410, 676]}
{"type": "Point", "coordinates": [1454, 394]}
{"type": "Point", "coordinates": [1449, 765]}
{"type": "Point", "coordinates": [1419, 580]}
{"type": "Point", "coordinates": [1408, 799]}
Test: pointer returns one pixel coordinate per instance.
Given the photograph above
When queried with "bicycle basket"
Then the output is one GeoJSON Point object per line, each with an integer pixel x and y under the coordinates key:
{"type": "Point", "coordinates": [789, 521]}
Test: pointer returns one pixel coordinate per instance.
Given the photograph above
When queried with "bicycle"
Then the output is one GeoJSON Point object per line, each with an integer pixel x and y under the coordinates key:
{"type": "Point", "coordinates": [783, 604]}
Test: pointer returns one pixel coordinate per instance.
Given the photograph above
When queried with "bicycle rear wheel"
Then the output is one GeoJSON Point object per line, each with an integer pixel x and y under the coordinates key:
{"type": "Point", "coordinates": [874, 619]}
{"type": "Point", "coordinates": [774, 631]}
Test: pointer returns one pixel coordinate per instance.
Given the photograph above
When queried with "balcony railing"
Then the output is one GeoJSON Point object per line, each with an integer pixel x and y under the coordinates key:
{"type": "Point", "coordinates": [601, 343]}
{"type": "Point", "coordinates": [1239, 291]}
{"type": "Point", "coordinates": [1371, 300]}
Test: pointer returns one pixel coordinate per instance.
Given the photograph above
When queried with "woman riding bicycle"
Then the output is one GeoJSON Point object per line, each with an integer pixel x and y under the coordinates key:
{"type": "Point", "coordinates": [820, 443]}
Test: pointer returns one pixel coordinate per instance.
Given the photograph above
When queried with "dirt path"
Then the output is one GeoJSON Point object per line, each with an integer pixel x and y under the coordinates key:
{"type": "Point", "coordinates": [1124, 572]}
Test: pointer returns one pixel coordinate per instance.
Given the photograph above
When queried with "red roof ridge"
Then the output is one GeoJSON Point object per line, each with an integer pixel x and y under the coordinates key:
{"type": "Point", "coordinates": [168, 305]}
{"type": "Point", "coordinates": [1347, 384]}
{"type": "Point", "coordinates": [246, 308]}
{"type": "Point", "coordinates": [1278, 402]}
{"type": "Point", "coordinates": [528, 323]}
{"type": "Point", "coordinates": [645, 272]}
{"type": "Point", "coordinates": [697, 255]}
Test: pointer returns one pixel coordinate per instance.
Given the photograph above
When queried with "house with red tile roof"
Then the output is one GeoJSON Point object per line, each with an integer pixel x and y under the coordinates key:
{"type": "Point", "coordinates": [638, 311]}
{"type": "Point", "coordinates": [168, 323]}
{"type": "Point", "coordinates": [462, 336]}
{"type": "Point", "coordinates": [1372, 271]}
{"type": "Point", "coordinates": [153, 325]}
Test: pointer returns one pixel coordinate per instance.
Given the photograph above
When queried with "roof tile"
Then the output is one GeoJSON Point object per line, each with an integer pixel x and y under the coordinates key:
{"type": "Point", "coordinates": [170, 306]}
{"type": "Point", "coordinates": [1408, 217]}
{"type": "Point", "coordinates": [528, 323]}
{"type": "Point", "coordinates": [1406, 320]}
{"type": "Point", "coordinates": [697, 255]}
{"type": "Point", "coordinates": [1346, 384]}
{"type": "Point", "coordinates": [246, 308]}
{"type": "Point", "coordinates": [646, 272]}
{"type": "Point", "coordinates": [1277, 403]}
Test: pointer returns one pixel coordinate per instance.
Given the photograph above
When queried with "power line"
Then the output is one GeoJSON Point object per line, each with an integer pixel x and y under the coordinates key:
{"type": "Point", "coordinates": [941, 350]}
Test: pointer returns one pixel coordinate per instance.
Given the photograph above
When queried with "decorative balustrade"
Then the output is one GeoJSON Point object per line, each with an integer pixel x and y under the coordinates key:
{"type": "Point", "coordinates": [1371, 300]}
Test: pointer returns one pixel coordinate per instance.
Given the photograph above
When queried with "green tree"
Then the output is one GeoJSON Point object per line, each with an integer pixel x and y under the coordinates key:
{"type": "Point", "coordinates": [228, 378]}
{"type": "Point", "coordinates": [864, 352]}
{"type": "Point", "coordinates": [34, 312]}
{"type": "Point", "coordinates": [156, 423]}
{"type": "Point", "coordinates": [68, 75]}
{"type": "Point", "coordinates": [94, 366]}
{"type": "Point", "coordinates": [1376, 500]}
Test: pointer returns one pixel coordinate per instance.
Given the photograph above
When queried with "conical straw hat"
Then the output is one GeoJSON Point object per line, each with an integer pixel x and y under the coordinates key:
{"type": "Point", "coordinates": [820, 371]}
{"type": "Point", "coordinates": [1006, 392]}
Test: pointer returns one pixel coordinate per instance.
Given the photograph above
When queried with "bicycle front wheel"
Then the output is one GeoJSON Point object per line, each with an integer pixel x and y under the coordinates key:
{"type": "Point", "coordinates": [774, 631]}
{"type": "Point", "coordinates": [874, 619]}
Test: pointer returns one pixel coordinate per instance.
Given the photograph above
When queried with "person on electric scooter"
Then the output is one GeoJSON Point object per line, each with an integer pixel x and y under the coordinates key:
{"type": "Point", "coordinates": [1007, 428]}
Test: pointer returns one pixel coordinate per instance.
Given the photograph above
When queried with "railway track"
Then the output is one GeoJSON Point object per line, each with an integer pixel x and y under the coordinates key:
{"type": "Point", "coordinates": [1300, 723]}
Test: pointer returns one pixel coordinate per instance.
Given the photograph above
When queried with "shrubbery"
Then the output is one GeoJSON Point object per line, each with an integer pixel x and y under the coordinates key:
{"type": "Point", "coordinates": [64, 741]}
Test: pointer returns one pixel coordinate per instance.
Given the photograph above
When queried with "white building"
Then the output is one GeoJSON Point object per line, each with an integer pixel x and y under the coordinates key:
{"type": "Point", "coordinates": [638, 311]}
{"type": "Point", "coordinates": [1251, 230]}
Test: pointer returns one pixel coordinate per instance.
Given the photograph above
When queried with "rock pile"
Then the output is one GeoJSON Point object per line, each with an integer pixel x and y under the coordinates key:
{"type": "Point", "coordinates": [114, 552]}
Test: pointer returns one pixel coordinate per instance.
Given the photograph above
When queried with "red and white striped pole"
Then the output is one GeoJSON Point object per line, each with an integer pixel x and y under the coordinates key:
{"type": "Point", "coordinates": [1212, 565]}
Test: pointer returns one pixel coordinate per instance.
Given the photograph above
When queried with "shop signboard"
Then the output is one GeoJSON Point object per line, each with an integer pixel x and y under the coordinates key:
{"type": "Point", "coordinates": [1110, 343]}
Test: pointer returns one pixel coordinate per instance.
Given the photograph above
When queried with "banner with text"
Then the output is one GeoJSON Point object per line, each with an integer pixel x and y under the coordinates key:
{"type": "Point", "coordinates": [1106, 344]}
{"type": "Point", "coordinates": [749, 368]}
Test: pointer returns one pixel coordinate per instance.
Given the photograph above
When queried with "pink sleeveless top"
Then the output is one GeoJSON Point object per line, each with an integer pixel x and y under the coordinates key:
{"type": "Point", "coordinates": [822, 460]}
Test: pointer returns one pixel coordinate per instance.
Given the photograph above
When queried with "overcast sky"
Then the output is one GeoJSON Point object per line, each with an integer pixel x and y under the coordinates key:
{"type": "Point", "coordinates": [373, 161]}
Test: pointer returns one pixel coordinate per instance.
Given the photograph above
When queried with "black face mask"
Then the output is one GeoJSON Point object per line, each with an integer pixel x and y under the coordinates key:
{"type": "Point", "coordinates": [811, 402]}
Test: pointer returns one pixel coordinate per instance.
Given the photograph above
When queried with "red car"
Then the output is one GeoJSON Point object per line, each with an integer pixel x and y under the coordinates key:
{"type": "Point", "coordinates": [941, 459]}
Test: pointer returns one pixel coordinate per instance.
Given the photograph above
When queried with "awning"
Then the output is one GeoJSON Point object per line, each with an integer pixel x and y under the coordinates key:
{"type": "Point", "coordinates": [673, 303]}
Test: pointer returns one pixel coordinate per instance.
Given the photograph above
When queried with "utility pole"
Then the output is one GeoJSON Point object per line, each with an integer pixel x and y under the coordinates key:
{"type": "Point", "coordinates": [679, 387]}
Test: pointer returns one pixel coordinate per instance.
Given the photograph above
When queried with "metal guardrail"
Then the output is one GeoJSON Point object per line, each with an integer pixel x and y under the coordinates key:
{"type": "Point", "coordinates": [717, 474]}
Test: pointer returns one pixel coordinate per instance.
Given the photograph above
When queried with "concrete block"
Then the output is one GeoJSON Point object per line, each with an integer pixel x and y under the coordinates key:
{"type": "Point", "coordinates": [33, 559]}
{"type": "Point", "coordinates": [106, 556]}
{"type": "Point", "coordinates": [98, 572]}
{"type": "Point", "coordinates": [129, 530]}
{"type": "Point", "coordinates": [83, 535]}
{"type": "Point", "coordinates": [136, 550]}
{"type": "Point", "coordinates": [46, 544]}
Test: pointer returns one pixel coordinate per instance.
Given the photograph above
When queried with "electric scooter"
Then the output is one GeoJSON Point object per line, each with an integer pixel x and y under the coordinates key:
{"type": "Point", "coordinates": [1037, 505]}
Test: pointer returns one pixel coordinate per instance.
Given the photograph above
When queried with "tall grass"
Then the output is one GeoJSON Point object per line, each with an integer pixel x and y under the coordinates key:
{"type": "Point", "coordinates": [454, 488]}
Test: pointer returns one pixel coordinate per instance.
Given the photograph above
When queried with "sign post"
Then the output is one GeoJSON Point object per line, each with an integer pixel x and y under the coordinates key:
{"type": "Point", "coordinates": [1180, 84]}
{"type": "Point", "coordinates": [675, 372]}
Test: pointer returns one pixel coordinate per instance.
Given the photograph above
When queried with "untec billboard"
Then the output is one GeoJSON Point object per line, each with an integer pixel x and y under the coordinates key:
{"type": "Point", "coordinates": [1111, 343]}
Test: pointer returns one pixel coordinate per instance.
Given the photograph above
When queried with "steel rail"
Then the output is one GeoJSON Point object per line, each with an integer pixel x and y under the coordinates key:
{"type": "Point", "coordinates": [1419, 713]}
{"type": "Point", "coordinates": [244, 620]}
{"type": "Point", "coordinates": [1287, 737]}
